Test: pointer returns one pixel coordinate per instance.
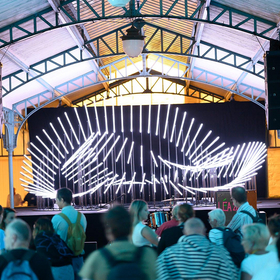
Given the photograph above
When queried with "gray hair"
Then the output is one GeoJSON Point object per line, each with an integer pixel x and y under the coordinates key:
{"type": "Point", "coordinates": [194, 226]}
{"type": "Point", "coordinates": [219, 216]}
{"type": "Point", "coordinates": [175, 212]}
{"type": "Point", "coordinates": [21, 229]}
{"type": "Point", "coordinates": [257, 234]}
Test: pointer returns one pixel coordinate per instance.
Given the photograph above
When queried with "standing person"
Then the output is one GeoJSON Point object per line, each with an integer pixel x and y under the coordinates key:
{"type": "Point", "coordinates": [8, 215]}
{"type": "Point", "coordinates": [17, 239]}
{"type": "Point", "coordinates": [17, 199]}
{"type": "Point", "coordinates": [274, 229]}
{"type": "Point", "coordinates": [239, 199]}
{"type": "Point", "coordinates": [118, 226]}
{"type": "Point", "coordinates": [69, 217]}
{"type": "Point", "coordinates": [169, 224]}
{"type": "Point", "coordinates": [142, 235]}
{"type": "Point", "coordinates": [170, 236]}
{"type": "Point", "coordinates": [54, 248]}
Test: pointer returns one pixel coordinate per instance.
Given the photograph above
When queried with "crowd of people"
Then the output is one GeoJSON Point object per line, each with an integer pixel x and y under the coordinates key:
{"type": "Point", "coordinates": [180, 248]}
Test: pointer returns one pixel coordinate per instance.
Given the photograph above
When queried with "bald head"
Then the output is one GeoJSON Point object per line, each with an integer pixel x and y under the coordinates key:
{"type": "Point", "coordinates": [194, 226]}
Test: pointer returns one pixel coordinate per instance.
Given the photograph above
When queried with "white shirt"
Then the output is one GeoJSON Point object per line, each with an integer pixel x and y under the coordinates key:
{"type": "Point", "coordinates": [253, 264]}
{"type": "Point", "coordinates": [60, 225]}
{"type": "Point", "coordinates": [271, 273]}
{"type": "Point", "coordinates": [137, 237]}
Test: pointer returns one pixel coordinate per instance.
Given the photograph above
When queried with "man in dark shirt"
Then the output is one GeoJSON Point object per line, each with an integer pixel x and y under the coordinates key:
{"type": "Point", "coordinates": [17, 239]}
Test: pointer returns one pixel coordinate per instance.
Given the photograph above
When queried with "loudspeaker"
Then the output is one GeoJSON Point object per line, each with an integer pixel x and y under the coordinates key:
{"type": "Point", "coordinates": [272, 89]}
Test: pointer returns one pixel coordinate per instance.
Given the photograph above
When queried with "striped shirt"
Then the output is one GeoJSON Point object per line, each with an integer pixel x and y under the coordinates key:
{"type": "Point", "coordinates": [240, 219]}
{"type": "Point", "coordinates": [195, 257]}
{"type": "Point", "coordinates": [216, 236]}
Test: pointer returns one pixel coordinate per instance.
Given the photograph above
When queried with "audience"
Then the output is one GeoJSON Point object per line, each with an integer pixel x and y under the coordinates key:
{"type": "Point", "coordinates": [170, 236]}
{"type": "Point", "coordinates": [169, 224]}
{"type": "Point", "coordinates": [255, 240]}
{"type": "Point", "coordinates": [142, 235]}
{"type": "Point", "coordinates": [195, 257]}
{"type": "Point", "coordinates": [17, 239]}
{"type": "Point", "coordinates": [8, 215]}
{"type": "Point", "coordinates": [274, 229]}
{"type": "Point", "coordinates": [61, 222]}
{"type": "Point", "coordinates": [118, 226]}
{"type": "Point", "coordinates": [239, 199]}
{"type": "Point", "coordinates": [217, 219]}
{"type": "Point", "coordinates": [54, 248]}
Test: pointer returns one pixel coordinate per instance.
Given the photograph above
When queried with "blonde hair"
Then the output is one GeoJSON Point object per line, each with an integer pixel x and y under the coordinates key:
{"type": "Point", "coordinates": [135, 208]}
{"type": "Point", "coordinates": [257, 234]}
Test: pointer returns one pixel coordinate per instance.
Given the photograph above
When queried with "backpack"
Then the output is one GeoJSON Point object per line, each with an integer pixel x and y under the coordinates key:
{"type": "Point", "coordinates": [256, 219]}
{"type": "Point", "coordinates": [75, 235]}
{"type": "Point", "coordinates": [18, 269]}
{"type": "Point", "coordinates": [124, 270]}
{"type": "Point", "coordinates": [232, 242]}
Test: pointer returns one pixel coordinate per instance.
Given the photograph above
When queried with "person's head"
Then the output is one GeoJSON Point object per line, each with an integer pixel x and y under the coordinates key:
{"type": "Point", "coordinates": [42, 224]}
{"type": "Point", "coordinates": [217, 218]}
{"type": "Point", "coordinates": [138, 210]}
{"type": "Point", "coordinates": [17, 235]}
{"type": "Point", "coordinates": [175, 212]}
{"type": "Point", "coordinates": [117, 223]}
{"type": "Point", "coordinates": [8, 215]}
{"type": "Point", "coordinates": [185, 212]}
{"type": "Point", "coordinates": [63, 197]}
{"type": "Point", "coordinates": [274, 225]}
{"type": "Point", "coordinates": [194, 226]}
{"type": "Point", "coordinates": [255, 237]}
{"type": "Point", "coordinates": [238, 196]}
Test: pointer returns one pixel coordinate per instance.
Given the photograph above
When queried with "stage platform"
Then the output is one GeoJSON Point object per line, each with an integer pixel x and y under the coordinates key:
{"type": "Point", "coordinates": [95, 231]}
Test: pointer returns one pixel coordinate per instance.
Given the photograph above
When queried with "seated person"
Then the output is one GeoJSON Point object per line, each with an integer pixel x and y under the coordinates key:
{"type": "Point", "coordinates": [274, 229]}
{"type": "Point", "coordinates": [195, 257]}
{"type": "Point", "coordinates": [142, 235]}
{"type": "Point", "coordinates": [17, 240]}
{"type": "Point", "coordinates": [54, 248]}
{"type": "Point", "coordinates": [169, 224]}
{"type": "Point", "coordinates": [255, 240]}
{"type": "Point", "coordinates": [118, 226]}
{"type": "Point", "coordinates": [170, 236]}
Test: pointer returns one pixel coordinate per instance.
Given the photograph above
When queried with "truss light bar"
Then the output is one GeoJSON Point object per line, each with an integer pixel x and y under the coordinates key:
{"type": "Point", "coordinates": [200, 144]}
{"type": "Point", "coordinates": [110, 150]}
{"type": "Point", "coordinates": [164, 185]}
{"type": "Point", "coordinates": [140, 119]}
{"type": "Point", "coordinates": [174, 124]}
{"type": "Point", "coordinates": [237, 159]}
{"type": "Point", "coordinates": [97, 119]}
{"type": "Point", "coordinates": [242, 160]}
{"type": "Point", "coordinates": [173, 185]}
{"type": "Point", "coordinates": [121, 149]}
{"type": "Point", "coordinates": [188, 133]}
{"type": "Point", "coordinates": [58, 137]}
{"type": "Point", "coordinates": [132, 180]}
{"type": "Point", "coordinates": [158, 114]}
{"type": "Point", "coordinates": [143, 182]}
{"type": "Point", "coordinates": [65, 133]}
{"type": "Point", "coordinates": [130, 152]}
{"type": "Point", "coordinates": [88, 119]}
{"type": "Point", "coordinates": [74, 133]}
{"type": "Point", "coordinates": [166, 121]}
{"type": "Point", "coordinates": [181, 128]}
{"type": "Point", "coordinates": [41, 161]}
{"type": "Point", "coordinates": [236, 150]}
{"type": "Point", "coordinates": [121, 181]}
{"type": "Point", "coordinates": [48, 149]}
{"type": "Point", "coordinates": [44, 155]}
{"type": "Point", "coordinates": [154, 159]}
{"type": "Point", "coordinates": [53, 143]}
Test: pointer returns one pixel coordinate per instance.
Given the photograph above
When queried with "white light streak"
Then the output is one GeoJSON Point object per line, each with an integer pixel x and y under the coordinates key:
{"type": "Point", "coordinates": [158, 114]}
{"type": "Point", "coordinates": [97, 119]}
{"type": "Point", "coordinates": [82, 129]}
{"type": "Point", "coordinates": [91, 178]}
{"type": "Point", "coordinates": [237, 159]}
{"type": "Point", "coordinates": [89, 122]}
{"type": "Point", "coordinates": [236, 150]}
{"type": "Point", "coordinates": [130, 152]}
{"type": "Point", "coordinates": [174, 124]}
{"type": "Point", "coordinates": [195, 189]}
{"type": "Point", "coordinates": [110, 150]}
{"type": "Point", "coordinates": [200, 144]}
{"type": "Point", "coordinates": [37, 178]}
{"type": "Point", "coordinates": [175, 175]}
{"type": "Point", "coordinates": [132, 180]}
{"type": "Point", "coordinates": [140, 119]}
{"type": "Point", "coordinates": [98, 179]}
{"type": "Point", "coordinates": [67, 137]}
{"type": "Point", "coordinates": [131, 118]}
{"type": "Point", "coordinates": [48, 150]}
{"type": "Point", "coordinates": [111, 183]}
{"type": "Point", "coordinates": [164, 161]}
{"type": "Point", "coordinates": [154, 159]}
{"type": "Point", "coordinates": [164, 185]}
{"type": "Point", "coordinates": [53, 143]}
{"type": "Point", "coordinates": [143, 182]}
{"type": "Point", "coordinates": [173, 185]}
{"type": "Point", "coordinates": [74, 133]}
{"type": "Point", "coordinates": [181, 128]}
{"type": "Point", "coordinates": [190, 146]}
{"type": "Point", "coordinates": [113, 115]}
{"type": "Point", "coordinates": [105, 116]}
{"type": "Point", "coordinates": [149, 181]}
{"type": "Point", "coordinates": [121, 149]}
{"type": "Point", "coordinates": [188, 133]}
{"type": "Point", "coordinates": [101, 149]}
{"type": "Point", "coordinates": [122, 118]}
{"type": "Point", "coordinates": [185, 188]}
{"type": "Point", "coordinates": [166, 121]}
{"type": "Point", "coordinates": [121, 181]}
{"type": "Point", "coordinates": [61, 142]}
{"type": "Point", "coordinates": [141, 155]}
{"type": "Point", "coordinates": [149, 119]}
{"type": "Point", "coordinates": [95, 167]}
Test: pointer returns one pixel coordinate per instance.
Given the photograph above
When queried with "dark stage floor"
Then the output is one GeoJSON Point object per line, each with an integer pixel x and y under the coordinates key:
{"type": "Point", "coordinates": [95, 231]}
